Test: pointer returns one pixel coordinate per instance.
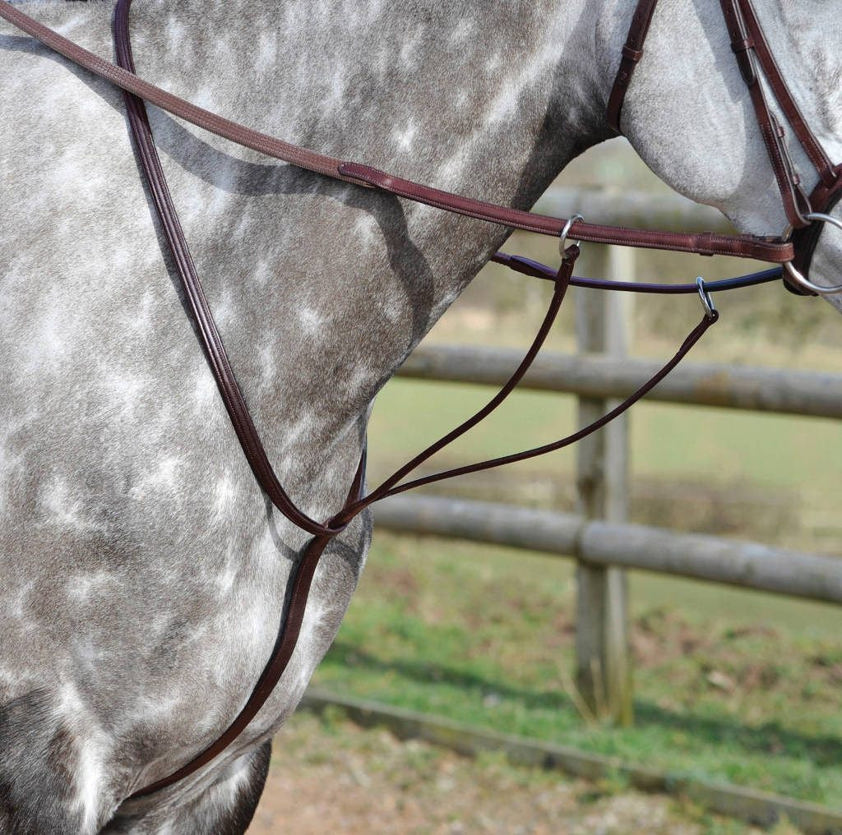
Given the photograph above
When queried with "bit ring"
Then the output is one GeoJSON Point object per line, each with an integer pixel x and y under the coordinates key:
{"type": "Point", "coordinates": [562, 238]}
{"type": "Point", "coordinates": [798, 277]}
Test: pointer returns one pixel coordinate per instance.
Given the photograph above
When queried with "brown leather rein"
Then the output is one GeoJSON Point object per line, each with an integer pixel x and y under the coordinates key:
{"type": "Point", "coordinates": [741, 246]}
{"type": "Point", "coordinates": [136, 90]}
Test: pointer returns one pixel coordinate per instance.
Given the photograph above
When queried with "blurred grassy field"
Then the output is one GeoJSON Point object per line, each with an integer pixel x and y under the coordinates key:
{"type": "Point", "coordinates": [770, 477]}
{"type": "Point", "coordinates": [731, 685]}
{"type": "Point", "coordinates": [715, 471]}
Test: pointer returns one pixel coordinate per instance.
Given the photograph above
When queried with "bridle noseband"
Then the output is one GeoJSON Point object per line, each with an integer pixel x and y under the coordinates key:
{"type": "Point", "coordinates": [806, 215]}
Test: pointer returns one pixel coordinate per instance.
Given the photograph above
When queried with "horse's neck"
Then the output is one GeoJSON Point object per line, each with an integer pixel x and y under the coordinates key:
{"type": "Point", "coordinates": [490, 100]}
{"type": "Point", "coordinates": [421, 88]}
{"type": "Point", "coordinates": [487, 99]}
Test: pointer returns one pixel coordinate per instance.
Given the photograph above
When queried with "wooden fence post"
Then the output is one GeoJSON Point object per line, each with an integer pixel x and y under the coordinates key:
{"type": "Point", "coordinates": [603, 669]}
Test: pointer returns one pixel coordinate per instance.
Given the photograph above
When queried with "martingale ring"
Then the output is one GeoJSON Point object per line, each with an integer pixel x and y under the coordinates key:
{"type": "Point", "coordinates": [707, 302]}
{"type": "Point", "coordinates": [798, 277]}
{"type": "Point", "coordinates": [562, 237]}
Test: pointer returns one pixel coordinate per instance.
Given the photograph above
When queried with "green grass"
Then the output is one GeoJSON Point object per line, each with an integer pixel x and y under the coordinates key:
{"type": "Point", "coordinates": [485, 636]}
{"type": "Point", "coordinates": [768, 450]}
{"type": "Point", "coordinates": [767, 477]}
{"type": "Point", "coordinates": [719, 444]}
{"type": "Point", "coordinates": [729, 685]}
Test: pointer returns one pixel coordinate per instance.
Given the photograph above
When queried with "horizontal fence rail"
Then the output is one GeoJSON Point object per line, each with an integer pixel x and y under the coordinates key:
{"type": "Point", "coordinates": [714, 559]}
{"type": "Point", "coordinates": [669, 212]}
{"type": "Point", "coordinates": [601, 540]}
{"type": "Point", "coordinates": [813, 394]}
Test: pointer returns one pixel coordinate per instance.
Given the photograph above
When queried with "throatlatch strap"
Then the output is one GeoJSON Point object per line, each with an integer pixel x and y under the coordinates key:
{"type": "Point", "coordinates": [632, 53]}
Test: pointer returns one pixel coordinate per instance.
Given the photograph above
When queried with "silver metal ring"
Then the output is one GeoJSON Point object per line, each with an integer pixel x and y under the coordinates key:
{"type": "Point", "coordinates": [833, 221]}
{"type": "Point", "coordinates": [707, 302]}
{"type": "Point", "coordinates": [813, 217]}
{"type": "Point", "coordinates": [802, 281]}
{"type": "Point", "coordinates": [798, 277]}
{"type": "Point", "coordinates": [562, 238]}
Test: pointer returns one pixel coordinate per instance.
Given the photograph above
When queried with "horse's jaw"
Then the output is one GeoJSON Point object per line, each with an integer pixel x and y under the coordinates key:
{"type": "Point", "coordinates": [689, 116]}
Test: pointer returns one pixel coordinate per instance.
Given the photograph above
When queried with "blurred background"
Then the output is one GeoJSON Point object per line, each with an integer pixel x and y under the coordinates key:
{"type": "Point", "coordinates": [705, 470]}
{"type": "Point", "coordinates": [730, 686]}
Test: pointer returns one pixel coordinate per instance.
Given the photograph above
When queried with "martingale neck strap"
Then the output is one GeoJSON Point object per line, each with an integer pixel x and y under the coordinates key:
{"type": "Point", "coordinates": [292, 618]}
{"type": "Point", "coordinates": [291, 621]}
{"type": "Point", "coordinates": [300, 582]}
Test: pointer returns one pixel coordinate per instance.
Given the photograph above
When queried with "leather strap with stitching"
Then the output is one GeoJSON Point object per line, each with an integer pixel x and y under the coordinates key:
{"type": "Point", "coordinates": [632, 53]}
{"type": "Point", "coordinates": [740, 246]}
{"type": "Point", "coordinates": [229, 390]}
{"type": "Point", "coordinates": [828, 173]}
{"type": "Point", "coordinates": [705, 243]}
{"type": "Point", "coordinates": [323, 533]}
{"type": "Point", "coordinates": [743, 46]}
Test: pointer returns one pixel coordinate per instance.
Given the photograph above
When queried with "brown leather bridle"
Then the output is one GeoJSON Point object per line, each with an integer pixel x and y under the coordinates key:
{"type": "Point", "coordinates": [806, 214]}
{"type": "Point", "coordinates": [747, 39]}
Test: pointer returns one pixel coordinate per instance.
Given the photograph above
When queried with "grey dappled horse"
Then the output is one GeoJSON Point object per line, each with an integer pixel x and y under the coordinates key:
{"type": "Point", "coordinates": [142, 569]}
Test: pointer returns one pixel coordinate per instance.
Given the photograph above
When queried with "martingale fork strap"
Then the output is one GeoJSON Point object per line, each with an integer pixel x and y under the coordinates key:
{"type": "Point", "coordinates": [291, 621]}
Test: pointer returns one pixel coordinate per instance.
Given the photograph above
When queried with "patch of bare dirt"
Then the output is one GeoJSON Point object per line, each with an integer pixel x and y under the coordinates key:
{"type": "Point", "coordinates": [333, 777]}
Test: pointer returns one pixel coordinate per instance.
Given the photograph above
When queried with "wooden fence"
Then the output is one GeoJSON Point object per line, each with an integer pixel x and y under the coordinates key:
{"type": "Point", "coordinates": [599, 537]}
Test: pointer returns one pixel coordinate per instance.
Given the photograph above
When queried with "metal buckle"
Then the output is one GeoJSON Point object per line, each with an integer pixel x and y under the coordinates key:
{"type": "Point", "coordinates": [562, 238]}
{"type": "Point", "coordinates": [707, 302]}
{"type": "Point", "coordinates": [798, 277]}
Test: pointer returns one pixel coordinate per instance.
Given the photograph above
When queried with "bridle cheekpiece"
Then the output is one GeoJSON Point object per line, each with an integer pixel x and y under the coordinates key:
{"type": "Point", "coordinates": [807, 214]}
